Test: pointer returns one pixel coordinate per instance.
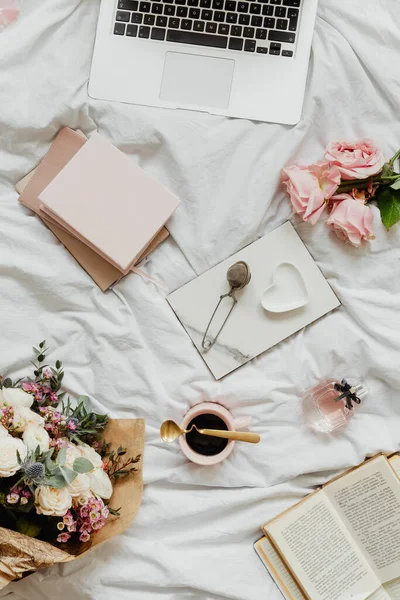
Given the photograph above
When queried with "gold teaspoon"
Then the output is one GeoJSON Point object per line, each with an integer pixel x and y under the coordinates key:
{"type": "Point", "coordinates": [170, 431]}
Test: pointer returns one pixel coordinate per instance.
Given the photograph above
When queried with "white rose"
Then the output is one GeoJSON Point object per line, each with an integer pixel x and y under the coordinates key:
{"type": "Point", "coordinates": [80, 486]}
{"type": "Point", "coordinates": [3, 431]}
{"type": "Point", "coordinates": [8, 455]}
{"type": "Point", "coordinates": [91, 454]}
{"type": "Point", "coordinates": [24, 416]}
{"type": "Point", "coordinates": [51, 501]}
{"type": "Point", "coordinates": [34, 436]}
{"type": "Point", "coordinates": [72, 454]}
{"type": "Point", "coordinates": [100, 484]}
{"type": "Point", "coordinates": [16, 397]}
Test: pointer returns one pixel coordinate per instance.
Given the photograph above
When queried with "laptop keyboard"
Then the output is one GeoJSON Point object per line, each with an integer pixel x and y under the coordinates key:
{"type": "Point", "coordinates": [262, 26]}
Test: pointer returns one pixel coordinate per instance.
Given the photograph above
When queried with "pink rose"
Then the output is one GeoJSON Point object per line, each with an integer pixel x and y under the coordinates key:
{"type": "Point", "coordinates": [355, 160]}
{"type": "Point", "coordinates": [351, 220]}
{"type": "Point", "coordinates": [309, 187]}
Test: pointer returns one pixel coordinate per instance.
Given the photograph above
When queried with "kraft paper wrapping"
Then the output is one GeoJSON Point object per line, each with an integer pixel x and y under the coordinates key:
{"type": "Point", "coordinates": [21, 555]}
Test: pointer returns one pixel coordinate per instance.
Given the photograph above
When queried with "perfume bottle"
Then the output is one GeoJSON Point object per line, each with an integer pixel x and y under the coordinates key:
{"type": "Point", "coordinates": [331, 404]}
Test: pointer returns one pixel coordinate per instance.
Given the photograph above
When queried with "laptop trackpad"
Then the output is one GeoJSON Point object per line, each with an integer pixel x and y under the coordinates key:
{"type": "Point", "coordinates": [195, 80]}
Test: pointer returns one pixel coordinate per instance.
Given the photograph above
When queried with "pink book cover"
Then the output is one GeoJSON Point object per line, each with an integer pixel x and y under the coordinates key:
{"type": "Point", "coordinates": [107, 201]}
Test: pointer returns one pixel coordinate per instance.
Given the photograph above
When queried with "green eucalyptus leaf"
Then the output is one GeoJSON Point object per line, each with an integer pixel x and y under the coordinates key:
{"type": "Point", "coordinates": [27, 527]}
{"type": "Point", "coordinates": [82, 465]}
{"type": "Point", "coordinates": [62, 456]}
{"type": "Point", "coordinates": [389, 206]}
{"type": "Point", "coordinates": [48, 463]}
{"type": "Point", "coordinates": [68, 474]}
{"type": "Point", "coordinates": [55, 481]}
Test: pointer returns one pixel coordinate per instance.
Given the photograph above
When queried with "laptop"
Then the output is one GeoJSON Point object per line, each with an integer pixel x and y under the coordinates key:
{"type": "Point", "coordinates": [238, 58]}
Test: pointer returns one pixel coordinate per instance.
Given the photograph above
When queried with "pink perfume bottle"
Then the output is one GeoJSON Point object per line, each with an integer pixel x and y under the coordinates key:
{"type": "Point", "coordinates": [331, 404]}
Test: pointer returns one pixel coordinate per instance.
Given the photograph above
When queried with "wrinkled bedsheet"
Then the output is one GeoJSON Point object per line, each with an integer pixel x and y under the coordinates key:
{"type": "Point", "coordinates": [192, 538]}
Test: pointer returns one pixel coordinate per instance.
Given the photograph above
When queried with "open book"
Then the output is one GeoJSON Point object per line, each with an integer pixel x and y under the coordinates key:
{"type": "Point", "coordinates": [342, 541]}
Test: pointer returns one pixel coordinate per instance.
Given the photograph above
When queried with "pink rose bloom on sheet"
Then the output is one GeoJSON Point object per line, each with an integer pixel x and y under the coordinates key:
{"type": "Point", "coordinates": [309, 187]}
{"type": "Point", "coordinates": [8, 12]}
{"type": "Point", "coordinates": [355, 160]}
{"type": "Point", "coordinates": [351, 220]}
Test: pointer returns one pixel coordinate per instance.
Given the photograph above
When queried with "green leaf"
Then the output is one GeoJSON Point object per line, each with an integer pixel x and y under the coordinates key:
{"type": "Point", "coordinates": [389, 206]}
{"type": "Point", "coordinates": [27, 527]}
{"type": "Point", "coordinates": [55, 481]}
{"type": "Point", "coordinates": [26, 508]}
{"type": "Point", "coordinates": [84, 402]}
{"type": "Point", "coordinates": [387, 171]}
{"type": "Point", "coordinates": [62, 456]}
{"type": "Point", "coordinates": [42, 344]}
{"type": "Point", "coordinates": [58, 364]}
{"type": "Point", "coordinates": [68, 474]}
{"type": "Point", "coordinates": [82, 465]}
{"type": "Point", "coordinates": [60, 478]}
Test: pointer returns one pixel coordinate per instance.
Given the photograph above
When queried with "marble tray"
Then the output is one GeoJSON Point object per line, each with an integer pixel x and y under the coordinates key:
{"type": "Point", "coordinates": [251, 329]}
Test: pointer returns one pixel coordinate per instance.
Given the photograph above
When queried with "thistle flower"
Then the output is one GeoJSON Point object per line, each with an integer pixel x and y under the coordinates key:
{"type": "Point", "coordinates": [32, 470]}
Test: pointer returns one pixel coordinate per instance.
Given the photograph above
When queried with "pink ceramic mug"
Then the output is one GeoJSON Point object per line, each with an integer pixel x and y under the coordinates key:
{"type": "Point", "coordinates": [211, 408]}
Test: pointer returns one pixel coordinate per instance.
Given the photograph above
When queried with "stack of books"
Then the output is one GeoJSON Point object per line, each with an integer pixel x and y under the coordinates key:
{"type": "Point", "coordinates": [106, 210]}
{"type": "Point", "coordinates": [342, 541]}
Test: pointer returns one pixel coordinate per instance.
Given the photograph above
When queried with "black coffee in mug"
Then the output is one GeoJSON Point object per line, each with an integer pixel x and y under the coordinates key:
{"type": "Point", "coordinates": [206, 444]}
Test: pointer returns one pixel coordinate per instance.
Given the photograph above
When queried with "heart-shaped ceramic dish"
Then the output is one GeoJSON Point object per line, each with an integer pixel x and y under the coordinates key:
{"type": "Point", "coordinates": [287, 291]}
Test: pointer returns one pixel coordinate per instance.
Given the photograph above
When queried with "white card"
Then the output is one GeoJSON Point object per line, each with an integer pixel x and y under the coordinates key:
{"type": "Point", "coordinates": [251, 329]}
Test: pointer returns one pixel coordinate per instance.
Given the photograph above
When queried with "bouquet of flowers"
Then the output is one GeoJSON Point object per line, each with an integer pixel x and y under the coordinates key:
{"type": "Point", "coordinates": [352, 175]}
{"type": "Point", "coordinates": [58, 473]}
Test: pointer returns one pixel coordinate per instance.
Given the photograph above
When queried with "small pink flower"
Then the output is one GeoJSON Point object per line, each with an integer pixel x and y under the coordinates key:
{"type": "Point", "coordinates": [26, 493]}
{"type": "Point", "coordinates": [24, 500]}
{"type": "Point", "coordinates": [63, 537]}
{"type": "Point", "coordinates": [309, 187]}
{"type": "Point", "coordinates": [72, 426]}
{"type": "Point", "coordinates": [13, 498]}
{"type": "Point", "coordinates": [355, 160]}
{"type": "Point", "coordinates": [47, 373]}
{"type": "Point", "coordinates": [72, 528]}
{"type": "Point", "coordinates": [84, 537]}
{"type": "Point", "coordinates": [68, 520]}
{"type": "Point", "coordinates": [351, 220]}
{"type": "Point", "coordinates": [27, 387]}
{"type": "Point", "coordinates": [53, 397]}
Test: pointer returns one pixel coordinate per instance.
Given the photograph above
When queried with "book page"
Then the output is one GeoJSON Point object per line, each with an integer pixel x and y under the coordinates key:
{"type": "Point", "coordinates": [321, 553]}
{"type": "Point", "coordinates": [278, 570]}
{"type": "Point", "coordinates": [368, 501]}
{"type": "Point", "coordinates": [395, 464]}
{"type": "Point", "coordinates": [393, 589]}
{"type": "Point", "coordinates": [380, 594]}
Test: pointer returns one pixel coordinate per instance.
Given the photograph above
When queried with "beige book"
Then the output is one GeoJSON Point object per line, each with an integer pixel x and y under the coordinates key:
{"type": "Point", "coordinates": [342, 542]}
{"type": "Point", "coordinates": [64, 147]}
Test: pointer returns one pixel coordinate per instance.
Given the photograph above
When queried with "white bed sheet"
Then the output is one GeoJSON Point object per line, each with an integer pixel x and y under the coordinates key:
{"type": "Point", "coordinates": [193, 536]}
